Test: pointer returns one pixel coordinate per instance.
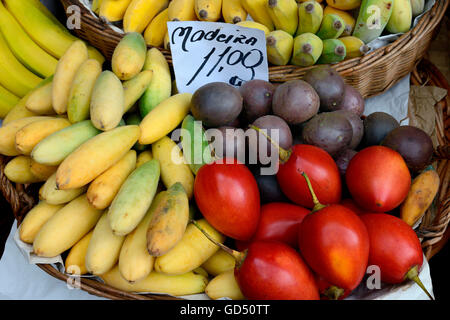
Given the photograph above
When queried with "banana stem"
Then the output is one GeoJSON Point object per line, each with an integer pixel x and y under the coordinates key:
{"type": "Point", "coordinates": [317, 205]}
{"type": "Point", "coordinates": [283, 154]}
{"type": "Point", "coordinates": [413, 274]}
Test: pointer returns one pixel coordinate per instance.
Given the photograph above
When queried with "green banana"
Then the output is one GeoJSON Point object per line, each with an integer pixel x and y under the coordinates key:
{"type": "Point", "coordinates": [332, 27]}
{"type": "Point", "coordinates": [307, 49]}
{"type": "Point", "coordinates": [333, 51]}
{"type": "Point", "coordinates": [284, 14]}
{"type": "Point", "coordinates": [372, 19]}
{"type": "Point", "coordinates": [401, 17]}
{"type": "Point", "coordinates": [310, 15]}
{"type": "Point", "coordinates": [279, 47]}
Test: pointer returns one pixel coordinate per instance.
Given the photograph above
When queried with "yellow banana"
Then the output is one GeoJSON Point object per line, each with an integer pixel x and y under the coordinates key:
{"type": "Point", "coordinates": [96, 5]}
{"type": "Point", "coordinates": [156, 30]}
{"type": "Point", "coordinates": [344, 4]}
{"type": "Point", "coordinates": [129, 56]}
{"type": "Point", "coordinates": [143, 157]}
{"type": "Point", "coordinates": [7, 101]}
{"type": "Point", "coordinates": [104, 248]}
{"type": "Point", "coordinates": [42, 171]}
{"type": "Point", "coordinates": [140, 12]}
{"type": "Point", "coordinates": [310, 15]}
{"type": "Point", "coordinates": [307, 49]}
{"type": "Point", "coordinates": [279, 47]}
{"type": "Point", "coordinates": [18, 112]}
{"type": "Point", "coordinates": [40, 100]}
{"type": "Point", "coordinates": [18, 170]}
{"type": "Point", "coordinates": [224, 285]}
{"type": "Point", "coordinates": [135, 88]}
{"type": "Point", "coordinates": [219, 262]}
{"type": "Point", "coordinates": [254, 25]}
{"type": "Point", "coordinates": [347, 17]}
{"type": "Point", "coordinates": [35, 219]}
{"type": "Point", "coordinates": [208, 10]}
{"type": "Point", "coordinates": [23, 47]}
{"type": "Point", "coordinates": [50, 193]}
{"type": "Point", "coordinates": [113, 10]}
{"type": "Point", "coordinates": [66, 227]}
{"type": "Point", "coordinates": [182, 10]}
{"type": "Point", "coordinates": [233, 11]}
{"type": "Point", "coordinates": [257, 10]}
{"type": "Point", "coordinates": [76, 259]}
{"type": "Point", "coordinates": [13, 75]}
{"type": "Point", "coordinates": [284, 14]}
{"type": "Point", "coordinates": [354, 46]}
{"type": "Point", "coordinates": [401, 17]}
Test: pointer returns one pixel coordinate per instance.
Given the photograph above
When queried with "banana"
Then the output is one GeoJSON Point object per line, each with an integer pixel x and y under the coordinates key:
{"type": "Point", "coordinates": [104, 188]}
{"type": "Point", "coordinates": [13, 75]}
{"type": "Point", "coordinates": [208, 10]}
{"type": "Point", "coordinates": [347, 17]}
{"type": "Point", "coordinates": [224, 285]}
{"type": "Point", "coordinates": [52, 195]}
{"type": "Point", "coordinates": [107, 101]}
{"type": "Point", "coordinates": [135, 119]}
{"type": "Point", "coordinates": [179, 285]}
{"type": "Point", "coordinates": [8, 134]}
{"type": "Point", "coordinates": [257, 10]}
{"type": "Point", "coordinates": [95, 156]}
{"type": "Point", "coordinates": [135, 262]}
{"type": "Point", "coordinates": [333, 51]}
{"type": "Point", "coordinates": [75, 263]}
{"type": "Point", "coordinates": [143, 157]}
{"type": "Point", "coordinates": [66, 227]}
{"type": "Point", "coordinates": [284, 14]}
{"type": "Point", "coordinates": [42, 171]}
{"type": "Point", "coordinates": [219, 262]}
{"type": "Point", "coordinates": [113, 10]}
{"type": "Point", "coordinates": [136, 87]}
{"type": "Point", "coordinates": [233, 11]}
{"type": "Point", "coordinates": [35, 219]}
{"type": "Point", "coordinates": [279, 47]}
{"type": "Point", "coordinates": [332, 27]}
{"type": "Point", "coordinates": [80, 94]}
{"type": "Point", "coordinates": [173, 167]}
{"type": "Point", "coordinates": [140, 13]}
{"type": "Point", "coordinates": [7, 101]}
{"type": "Point", "coordinates": [45, 29]}
{"type": "Point", "coordinates": [40, 100]}
{"type": "Point", "coordinates": [344, 4]}
{"type": "Point", "coordinates": [169, 221]}
{"type": "Point", "coordinates": [254, 25]}
{"type": "Point", "coordinates": [134, 198]}
{"type": "Point", "coordinates": [65, 72]}
{"type": "Point", "coordinates": [182, 10]}
{"type": "Point", "coordinates": [55, 148]}
{"type": "Point", "coordinates": [129, 56]}
{"type": "Point", "coordinates": [310, 15]}
{"type": "Point", "coordinates": [354, 47]}
{"type": "Point", "coordinates": [401, 17]}
{"type": "Point", "coordinates": [23, 47]}
{"type": "Point", "coordinates": [417, 7]}
{"type": "Point", "coordinates": [96, 5]}
{"type": "Point", "coordinates": [307, 50]}
{"type": "Point", "coordinates": [164, 118]}
{"type": "Point", "coordinates": [104, 248]}
{"type": "Point", "coordinates": [157, 29]}
{"type": "Point", "coordinates": [372, 19]}
{"type": "Point", "coordinates": [160, 87]}
{"type": "Point", "coordinates": [30, 135]}
{"type": "Point", "coordinates": [18, 170]}
{"type": "Point", "coordinates": [191, 252]}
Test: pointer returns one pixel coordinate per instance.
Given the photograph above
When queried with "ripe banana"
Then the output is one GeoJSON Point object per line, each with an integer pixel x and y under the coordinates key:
{"type": "Point", "coordinates": [401, 17]}
{"type": "Point", "coordinates": [66, 227]}
{"type": "Point", "coordinates": [233, 11]}
{"type": "Point", "coordinates": [372, 19]}
{"type": "Point", "coordinates": [310, 17]}
{"type": "Point", "coordinates": [279, 47]}
{"type": "Point", "coordinates": [354, 47]}
{"type": "Point", "coordinates": [333, 51]}
{"type": "Point", "coordinates": [135, 88]}
{"type": "Point", "coordinates": [344, 4]}
{"type": "Point", "coordinates": [18, 170]}
{"type": "Point", "coordinates": [254, 25]}
{"type": "Point", "coordinates": [160, 87]}
{"type": "Point", "coordinates": [347, 17]}
{"type": "Point", "coordinates": [96, 5]}
{"type": "Point", "coordinates": [113, 10]}
{"type": "Point", "coordinates": [13, 75]}
{"type": "Point", "coordinates": [182, 10]}
{"type": "Point", "coordinates": [417, 7]}
{"type": "Point", "coordinates": [7, 101]}
{"type": "Point", "coordinates": [143, 157]}
{"type": "Point", "coordinates": [104, 248]}
{"type": "Point", "coordinates": [219, 262]}
{"type": "Point", "coordinates": [307, 49]}
{"type": "Point", "coordinates": [140, 12]}
{"type": "Point", "coordinates": [157, 29]}
{"type": "Point", "coordinates": [208, 10]}
{"type": "Point", "coordinates": [23, 47]}
{"type": "Point", "coordinates": [52, 195]}
{"type": "Point", "coordinates": [224, 285]}
{"type": "Point", "coordinates": [76, 259]}
{"type": "Point", "coordinates": [107, 101]}
{"type": "Point", "coordinates": [332, 27]}
{"type": "Point", "coordinates": [42, 171]}
{"type": "Point", "coordinates": [129, 56]}
{"type": "Point", "coordinates": [35, 219]}
{"type": "Point", "coordinates": [40, 100]}
{"type": "Point", "coordinates": [258, 12]}
{"type": "Point", "coordinates": [284, 14]}
{"type": "Point", "coordinates": [65, 72]}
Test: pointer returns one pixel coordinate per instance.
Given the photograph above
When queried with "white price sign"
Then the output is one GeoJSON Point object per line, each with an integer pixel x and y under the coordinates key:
{"type": "Point", "coordinates": [205, 52]}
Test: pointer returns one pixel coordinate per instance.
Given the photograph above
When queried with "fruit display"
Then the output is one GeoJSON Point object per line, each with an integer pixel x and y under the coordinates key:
{"type": "Point", "coordinates": [301, 33]}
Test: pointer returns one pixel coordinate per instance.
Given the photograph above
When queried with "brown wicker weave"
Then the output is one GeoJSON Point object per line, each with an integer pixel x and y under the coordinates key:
{"type": "Point", "coordinates": [372, 74]}
{"type": "Point", "coordinates": [433, 232]}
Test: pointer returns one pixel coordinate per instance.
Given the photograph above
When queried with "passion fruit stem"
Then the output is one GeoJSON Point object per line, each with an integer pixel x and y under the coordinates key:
{"type": "Point", "coordinates": [317, 205]}
{"type": "Point", "coordinates": [413, 274]}
{"type": "Point", "coordinates": [238, 256]}
{"type": "Point", "coordinates": [283, 154]}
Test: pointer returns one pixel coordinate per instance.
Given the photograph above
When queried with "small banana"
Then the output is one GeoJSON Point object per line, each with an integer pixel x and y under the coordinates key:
{"type": "Point", "coordinates": [284, 14]}
{"type": "Point", "coordinates": [233, 11]}
{"type": "Point", "coordinates": [344, 4]}
{"type": "Point", "coordinates": [333, 51]}
{"type": "Point", "coordinates": [156, 30]}
{"type": "Point", "coordinates": [113, 10]}
{"type": "Point", "coordinates": [258, 12]}
{"type": "Point", "coordinates": [354, 47]}
{"type": "Point", "coordinates": [208, 10]}
{"type": "Point", "coordinates": [279, 47]}
{"type": "Point", "coordinates": [347, 17]}
{"type": "Point", "coordinates": [182, 10]}
{"type": "Point", "coordinates": [332, 27]}
{"type": "Point", "coordinates": [310, 14]}
{"type": "Point", "coordinates": [401, 17]}
{"type": "Point", "coordinates": [254, 25]}
{"type": "Point", "coordinates": [140, 13]}
{"type": "Point", "coordinates": [372, 19]}
{"type": "Point", "coordinates": [307, 49]}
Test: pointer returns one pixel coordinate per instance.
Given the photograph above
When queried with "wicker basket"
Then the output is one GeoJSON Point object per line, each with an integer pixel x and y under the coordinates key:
{"type": "Point", "coordinates": [371, 74]}
{"type": "Point", "coordinates": [433, 230]}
